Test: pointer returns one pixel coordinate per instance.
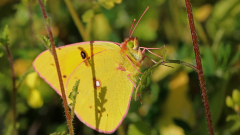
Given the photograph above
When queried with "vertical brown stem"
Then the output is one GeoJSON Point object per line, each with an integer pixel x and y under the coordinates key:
{"type": "Point", "coordinates": [67, 113]}
{"type": "Point", "coordinates": [199, 67]}
{"type": "Point", "coordinates": [14, 92]}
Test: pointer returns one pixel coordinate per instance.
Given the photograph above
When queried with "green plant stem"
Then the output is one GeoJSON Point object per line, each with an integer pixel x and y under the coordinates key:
{"type": "Point", "coordinates": [14, 91]}
{"type": "Point", "coordinates": [77, 21]}
{"type": "Point", "coordinates": [67, 113]}
{"type": "Point", "coordinates": [199, 67]}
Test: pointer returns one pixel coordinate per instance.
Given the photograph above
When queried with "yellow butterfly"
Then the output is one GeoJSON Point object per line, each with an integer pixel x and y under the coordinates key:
{"type": "Point", "coordinates": [108, 73]}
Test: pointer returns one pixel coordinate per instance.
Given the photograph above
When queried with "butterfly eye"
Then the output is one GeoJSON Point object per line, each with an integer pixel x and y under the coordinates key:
{"type": "Point", "coordinates": [83, 55]}
{"type": "Point", "coordinates": [130, 44]}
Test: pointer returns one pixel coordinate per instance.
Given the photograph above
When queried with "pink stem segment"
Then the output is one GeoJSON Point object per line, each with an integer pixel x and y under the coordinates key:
{"type": "Point", "coordinates": [199, 67]}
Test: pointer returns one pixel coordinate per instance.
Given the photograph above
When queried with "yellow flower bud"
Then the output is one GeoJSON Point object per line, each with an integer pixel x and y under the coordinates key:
{"type": "Point", "coordinates": [35, 99]}
{"type": "Point", "coordinates": [229, 101]}
{"type": "Point", "coordinates": [32, 80]}
{"type": "Point", "coordinates": [236, 96]}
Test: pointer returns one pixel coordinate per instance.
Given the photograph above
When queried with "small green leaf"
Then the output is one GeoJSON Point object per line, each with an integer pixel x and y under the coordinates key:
{"type": "Point", "coordinates": [5, 32]}
{"type": "Point", "coordinates": [234, 117]}
{"type": "Point", "coordinates": [88, 15]}
{"type": "Point", "coordinates": [4, 37]}
{"type": "Point", "coordinates": [73, 96]}
{"type": "Point", "coordinates": [45, 41]}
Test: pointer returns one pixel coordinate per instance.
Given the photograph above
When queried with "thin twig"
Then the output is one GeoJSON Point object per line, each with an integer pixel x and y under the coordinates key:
{"type": "Point", "coordinates": [199, 67]}
{"type": "Point", "coordinates": [14, 92]}
{"type": "Point", "coordinates": [67, 113]}
{"type": "Point", "coordinates": [77, 21]}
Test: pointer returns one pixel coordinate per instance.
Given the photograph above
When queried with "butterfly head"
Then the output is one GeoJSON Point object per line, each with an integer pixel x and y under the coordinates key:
{"type": "Point", "coordinates": [132, 43]}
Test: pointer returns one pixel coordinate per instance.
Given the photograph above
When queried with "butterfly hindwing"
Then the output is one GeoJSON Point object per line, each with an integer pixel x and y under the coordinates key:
{"type": "Point", "coordinates": [104, 91]}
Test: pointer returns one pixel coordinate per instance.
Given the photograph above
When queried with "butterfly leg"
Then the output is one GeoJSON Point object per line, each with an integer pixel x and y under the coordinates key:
{"type": "Point", "coordinates": [131, 81]}
{"type": "Point", "coordinates": [149, 58]}
{"type": "Point", "coordinates": [148, 49]}
{"type": "Point", "coordinates": [148, 91]}
{"type": "Point", "coordinates": [140, 97]}
{"type": "Point", "coordinates": [134, 87]}
{"type": "Point", "coordinates": [133, 64]}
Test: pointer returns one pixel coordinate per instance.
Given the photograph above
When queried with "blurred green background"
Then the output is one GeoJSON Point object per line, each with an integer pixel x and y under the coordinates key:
{"type": "Point", "coordinates": [176, 107]}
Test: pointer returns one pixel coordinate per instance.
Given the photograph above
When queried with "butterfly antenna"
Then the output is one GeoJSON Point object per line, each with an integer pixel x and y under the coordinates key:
{"type": "Point", "coordinates": [148, 91]}
{"type": "Point", "coordinates": [134, 20]}
{"type": "Point", "coordinates": [139, 20]}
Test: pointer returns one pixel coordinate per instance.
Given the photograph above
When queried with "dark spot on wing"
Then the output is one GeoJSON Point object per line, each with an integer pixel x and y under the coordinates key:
{"type": "Point", "coordinates": [52, 64]}
{"type": "Point", "coordinates": [83, 52]}
{"type": "Point", "coordinates": [64, 76]}
{"type": "Point", "coordinates": [83, 55]}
